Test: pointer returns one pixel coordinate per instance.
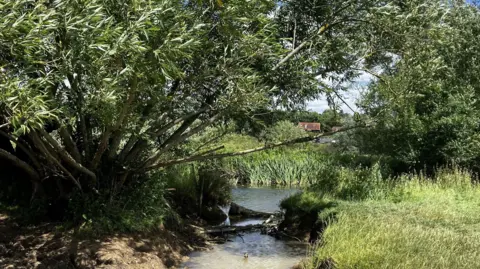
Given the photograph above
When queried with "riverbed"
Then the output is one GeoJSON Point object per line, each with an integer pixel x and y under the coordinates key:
{"type": "Point", "coordinates": [264, 252]}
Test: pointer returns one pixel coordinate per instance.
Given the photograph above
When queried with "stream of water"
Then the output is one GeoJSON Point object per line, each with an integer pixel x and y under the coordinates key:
{"type": "Point", "coordinates": [264, 252]}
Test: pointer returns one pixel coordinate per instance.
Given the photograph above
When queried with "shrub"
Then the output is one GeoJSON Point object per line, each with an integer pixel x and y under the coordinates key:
{"type": "Point", "coordinates": [283, 131]}
{"type": "Point", "coordinates": [307, 202]}
{"type": "Point", "coordinates": [141, 207]}
{"type": "Point", "coordinates": [196, 185]}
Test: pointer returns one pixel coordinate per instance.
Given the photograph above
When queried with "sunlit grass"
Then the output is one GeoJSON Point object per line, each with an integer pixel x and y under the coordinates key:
{"type": "Point", "coordinates": [420, 224]}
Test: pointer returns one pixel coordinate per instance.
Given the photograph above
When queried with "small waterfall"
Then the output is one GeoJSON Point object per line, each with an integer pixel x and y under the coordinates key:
{"type": "Point", "coordinates": [225, 210]}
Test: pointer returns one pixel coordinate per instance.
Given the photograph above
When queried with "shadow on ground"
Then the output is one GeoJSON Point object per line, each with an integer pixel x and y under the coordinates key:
{"type": "Point", "coordinates": [44, 246]}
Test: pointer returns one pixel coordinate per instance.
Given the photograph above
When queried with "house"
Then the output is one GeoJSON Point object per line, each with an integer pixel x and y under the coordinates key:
{"type": "Point", "coordinates": [310, 126]}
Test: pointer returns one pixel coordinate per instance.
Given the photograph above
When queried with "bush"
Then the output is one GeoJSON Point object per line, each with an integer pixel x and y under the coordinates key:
{"type": "Point", "coordinates": [306, 202]}
{"type": "Point", "coordinates": [139, 208]}
{"type": "Point", "coordinates": [283, 131]}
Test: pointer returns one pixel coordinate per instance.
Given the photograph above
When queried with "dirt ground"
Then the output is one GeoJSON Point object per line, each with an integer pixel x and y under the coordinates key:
{"type": "Point", "coordinates": [44, 246]}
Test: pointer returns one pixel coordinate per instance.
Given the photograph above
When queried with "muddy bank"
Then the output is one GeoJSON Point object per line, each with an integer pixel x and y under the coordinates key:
{"type": "Point", "coordinates": [308, 226]}
{"type": "Point", "coordinates": [305, 226]}
{"type": "Point", "coordinates": [44, 246]}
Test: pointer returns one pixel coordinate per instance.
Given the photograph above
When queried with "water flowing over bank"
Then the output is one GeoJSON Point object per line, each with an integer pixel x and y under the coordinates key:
{"type": "Point", "coordinates": [225, 210]}
{"type": "Point", "coordinates": [263, 251]}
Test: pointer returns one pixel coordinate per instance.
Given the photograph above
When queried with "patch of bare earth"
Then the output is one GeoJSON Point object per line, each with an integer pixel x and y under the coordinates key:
{"type": "Point", "coordinates": [43, 246]}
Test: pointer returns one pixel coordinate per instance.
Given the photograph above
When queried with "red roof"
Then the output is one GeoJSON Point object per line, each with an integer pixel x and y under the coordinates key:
{"type": "Point", "coordinates": [310, 126]}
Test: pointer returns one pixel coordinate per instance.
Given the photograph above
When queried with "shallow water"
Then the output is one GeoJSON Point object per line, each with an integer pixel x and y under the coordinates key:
{"type": "Point", "coordinates": [264, 252]}
{"type": "Point", "coordinates": [261, 199]}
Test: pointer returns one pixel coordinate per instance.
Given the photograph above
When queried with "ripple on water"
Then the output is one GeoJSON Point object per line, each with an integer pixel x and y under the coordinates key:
{"type": "Point", "coordinates": [264, 252]}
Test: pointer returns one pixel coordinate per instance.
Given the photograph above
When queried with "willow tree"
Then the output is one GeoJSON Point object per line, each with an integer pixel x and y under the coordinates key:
{"type": "Point", "coordinates": [96, 93]}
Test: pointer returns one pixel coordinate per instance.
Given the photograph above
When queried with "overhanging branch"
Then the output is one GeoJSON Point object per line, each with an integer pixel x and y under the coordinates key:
{"type": "Point", "coordinates": [176, 139]}
{"type": "Point", "coordinates": [25, 148]}
{"type": "Point", "coordinates": [202, 156]}
{"type": "Point", "coordinates": [296, 50]}
{"type": "Point", "coordinates": [19, 163]}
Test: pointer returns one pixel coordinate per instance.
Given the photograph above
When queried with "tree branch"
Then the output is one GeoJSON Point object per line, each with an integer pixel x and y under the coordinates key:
{"type": "Point", "coordinates": [210, 141]}
{"type": "Point", "coordinates": [131, 151]}
{"type": "Point", "coordinates": [117, 138]}
{"type": "Point", "coordinates": [178, 120]}
{"type": "Point", "coordinates": [65, 156]}
{"type": "Point", "coordinates": [303, 44]}
{"type": "Point", "coordinates": [106, 135]}
{"type": "Point", "coordinates": [137, 149]}
{"type": "Point", "coordinates": [185, 125]}
{"type": "Point", "coordinates": [194, 131]}
{"type": "Point", "coordinates": [24, 148]}
{"type": "Point", "coordinates": [294, 33]}
{"type": "Point", "coordinates": [173, 141]}
{"type": "Point", "coordinates": [132, 141]}
{"type": "Point", "coordinates": [69, 144]}
{"type": "Point", "coordinates": [86, 139]}
{"type": "Point", "coordinates": [201, 157]}
{"type": "Point", "coordinates": [212, 150]}
{"type": "Point", "coordinates": [337, 12]}
{"type": "Point", "coordinates": [52, 159]}
{"type": "Point", "coordinates": [20, 164]}
{"type": "Point", "coordinates": [85, 134]}
{"type": "Point", "coordinates": [371, 73]}
{"type": "Point", "coordinates": [321, 31]}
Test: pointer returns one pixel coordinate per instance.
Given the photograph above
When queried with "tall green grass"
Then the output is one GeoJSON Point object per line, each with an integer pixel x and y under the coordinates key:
{"type": "Point", "coordinates": [302, 164]}
{"type": "Point", "coordinates": [276, 168]}
{"type": "Point", "coordinates": [305, 166]}
{"type": "Point", "coordinates": [412, 222]}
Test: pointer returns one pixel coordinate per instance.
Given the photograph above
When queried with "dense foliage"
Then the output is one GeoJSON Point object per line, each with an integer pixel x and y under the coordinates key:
{"type": "Point", "coordinates": [425, 106]}
{"type": "Point", "coordinates": [95, 95]}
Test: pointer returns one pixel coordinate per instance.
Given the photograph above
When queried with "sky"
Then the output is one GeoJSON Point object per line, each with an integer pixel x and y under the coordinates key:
{"type": "Point", "coordinates": [350, 96]}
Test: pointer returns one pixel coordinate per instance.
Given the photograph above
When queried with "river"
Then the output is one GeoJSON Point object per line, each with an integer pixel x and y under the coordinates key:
{"type": "Point", "coordinates": [264, 252]}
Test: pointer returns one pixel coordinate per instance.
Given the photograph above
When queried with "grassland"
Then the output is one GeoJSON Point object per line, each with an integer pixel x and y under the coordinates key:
{"type": "Point", "coordinates": [413, 223]}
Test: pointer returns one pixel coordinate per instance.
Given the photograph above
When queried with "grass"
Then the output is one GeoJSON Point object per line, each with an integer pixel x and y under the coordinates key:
{"type": "Point", "coordinates": [415, 223]}
{"type": "Point", "coordinates": [304, 165]}
{"type": "Point", "coordinates": [276, 168]}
